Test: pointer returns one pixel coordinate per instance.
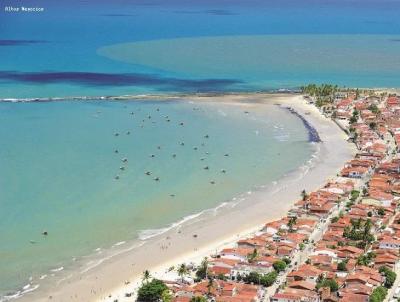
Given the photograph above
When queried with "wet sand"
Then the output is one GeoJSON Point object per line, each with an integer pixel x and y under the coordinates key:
{"type": "Point", "coordinates": [213, 230]}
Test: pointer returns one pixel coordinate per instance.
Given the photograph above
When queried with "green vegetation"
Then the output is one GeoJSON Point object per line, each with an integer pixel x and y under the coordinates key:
{"type": "Point", "coordinates": [342, 266]}
{"type": "Point", "coordinates": [354, 195]}
{"type": "Point", "coordinates": [256, 278]}
{"type": "Point", "coordinates": [201, 272]}
{"type": "Point", "coordinates": [390, 276]}
{"type": "Point", "coordinates": [323, 93]}
{"type": "Point", "coordinates": [198, 299]}
{"type": "Point", "coordinates": [166, 296]}
{"type": "Point", "coordinates": [335, 219]}
{"type": "Point", "coordinates": [153, 291]}
{"type": "Point", "coordinates": [378, 294]}
{"type": "Point", "coordinates": [291, 223]}
{"type": "Point", "coordinates": [331, 283]}
{"type": "Point", "coordinates": [304, 195]}
{"type": "Point", "coordinates": [366, 259]}
{"type": "Point", "coordinates": [360, 230]}
{"type": "Point", "coordinates": [302, 246]}
{"type": "Point", "coordinates": [182, 271]}
{"type": "Point", "coordinates": [252, 256]}
{"type": "Point", "coordinates": [354, 119]}
{"type": "Point", "coordinates": [381, 211]}
{"type": "Point", "coordinates": [373, 108]}
{"type": "Point", "coordinates": [279, 266]}
{"type": "Point", "coordinates": [146, 276]}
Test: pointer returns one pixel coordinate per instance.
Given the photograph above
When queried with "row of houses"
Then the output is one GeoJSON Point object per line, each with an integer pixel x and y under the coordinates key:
{"type": "Point", "coordinates": [346, 264]}
{"type": "Point", "coordinates": [363, 233]}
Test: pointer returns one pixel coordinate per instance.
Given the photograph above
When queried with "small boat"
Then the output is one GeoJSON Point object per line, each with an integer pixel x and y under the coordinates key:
{"type": "Point", "coordinates": [168, 120]}
{"type": "Point", "coordinates": [116, 151]}
{"type": "Point", "coordinates": [194, 148]}
{"type": "Point", "coordinates": [116, 134]}
{"type": "Point", "coordinates": [206, 136]}
{"type": "Point", "coordinates": [128, 132]}
{"type": "Point", "coordinates": [202, 158]}
{"type": "Point", "coordinates": [132, 113]}
{"type": "Point", "coordinates": [182, 144]}
{"type": "Point", "coordinates": [173, 155]}
{"type": "Point", "coordinates": [223, 171]}
{"type": "Point", "coordinates": [172, 195]}
{"type": "Point", "coordinates": [152, 155]}
{"type": "Point", "coordinates": [158, 109]}
{"type": "Point", "coordinates": [226, 154]}
{"type": "Point", "coordinates": [124, 160]}
{"type": "Point", "coordinates": [116, 177]}
{"type": "Point", "coordinates": [206, 168]}
{"type": "Point", "coordinates": [212, 182]}
{"type": "Point", "coordinates": [158, 147]}
{"type": "Point", "coordinates": [156, 178]}
{"type": "Point", "coordinates": [122, 168]}
{"type": "Point", "coordinates": [45, 233]}
{"type": "Point", "coordinates": [181, 123]}
{"type": "Point", "coordinates": [147, 173]}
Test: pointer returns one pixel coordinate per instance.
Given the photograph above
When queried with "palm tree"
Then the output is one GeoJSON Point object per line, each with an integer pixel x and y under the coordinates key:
{"type": "Point", "coordinates": [182, 271]}
{"type": "Point", "coordinates": [202, 270]}
{"type": "Point", "coordinates": [146, 276]}
{"type": "Point", "coordinates": [367, 229]}
{"type": "Point", "coordinates": [304, 194]}
{"type": "Point", "coordinates": [252, 256]}
{"type": "Point", "coordinates": [291, 223]}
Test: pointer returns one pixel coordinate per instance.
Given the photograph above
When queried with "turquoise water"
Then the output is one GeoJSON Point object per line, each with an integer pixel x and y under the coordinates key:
{"type": "Point", "coordinates": [58, 167]}
{"type": "Point", "coordinates": [272, 61]}
{"type": "Point", "coordinates": [268, 45]}
{"type": "Point", "coordinates": [57, 160]}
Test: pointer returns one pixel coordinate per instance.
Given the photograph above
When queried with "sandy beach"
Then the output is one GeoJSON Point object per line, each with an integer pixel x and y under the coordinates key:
{"type": "Point", "coordinates": [213, 230]}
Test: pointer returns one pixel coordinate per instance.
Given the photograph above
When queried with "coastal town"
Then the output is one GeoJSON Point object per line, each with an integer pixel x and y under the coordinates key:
{"type": "Point", "coordinates": [338, 243]}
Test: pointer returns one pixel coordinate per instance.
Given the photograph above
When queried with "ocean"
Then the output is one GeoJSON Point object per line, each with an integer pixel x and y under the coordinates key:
{"type": "Point", "coordinates": [192, 46]}
{"type": "Point", "coordinates": [59, 170]}
{"type": "Point", "coordinates": [78, 171]}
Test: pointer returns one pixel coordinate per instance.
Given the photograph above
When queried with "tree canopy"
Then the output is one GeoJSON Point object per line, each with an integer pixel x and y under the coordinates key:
{"type": "Point", "coordinates": [152, 291]}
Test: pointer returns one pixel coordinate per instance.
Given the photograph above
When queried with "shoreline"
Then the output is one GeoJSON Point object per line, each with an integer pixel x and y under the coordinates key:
{"type": "Point", "coordinates": [177, 95]}
{"type": "Point", "coordinates": [152, 96]}
{"type": "Point", "coordinates": [183, 247]}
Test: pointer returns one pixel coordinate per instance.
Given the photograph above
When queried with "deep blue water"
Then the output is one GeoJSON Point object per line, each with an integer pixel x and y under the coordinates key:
{"type": "Point", "coordinates": [41, 53]}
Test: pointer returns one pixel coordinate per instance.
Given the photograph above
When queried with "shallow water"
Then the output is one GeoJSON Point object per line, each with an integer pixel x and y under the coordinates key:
{"type": "Point", "coordinates": [59, 165]}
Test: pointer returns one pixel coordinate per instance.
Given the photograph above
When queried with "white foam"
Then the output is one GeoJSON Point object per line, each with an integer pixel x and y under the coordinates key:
{"type": "Point", "coordinates": [222, 205]}
{"type": "Point", "coordinates": [26, 289]}
{"type": "Point", "coordinates": [93, 264]}
{"type": "Point", "coordinates": [58, 269]}
{"type": "Point", "coordinates": [147, 234]}
{"type": "Point", "coordinates": [119, 243]}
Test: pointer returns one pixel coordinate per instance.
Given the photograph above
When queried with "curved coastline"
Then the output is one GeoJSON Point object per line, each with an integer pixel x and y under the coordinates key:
{"type": "Point", "coordinates": [151, 96]}
{"type": "Point", "coordinates": [222, 227]}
